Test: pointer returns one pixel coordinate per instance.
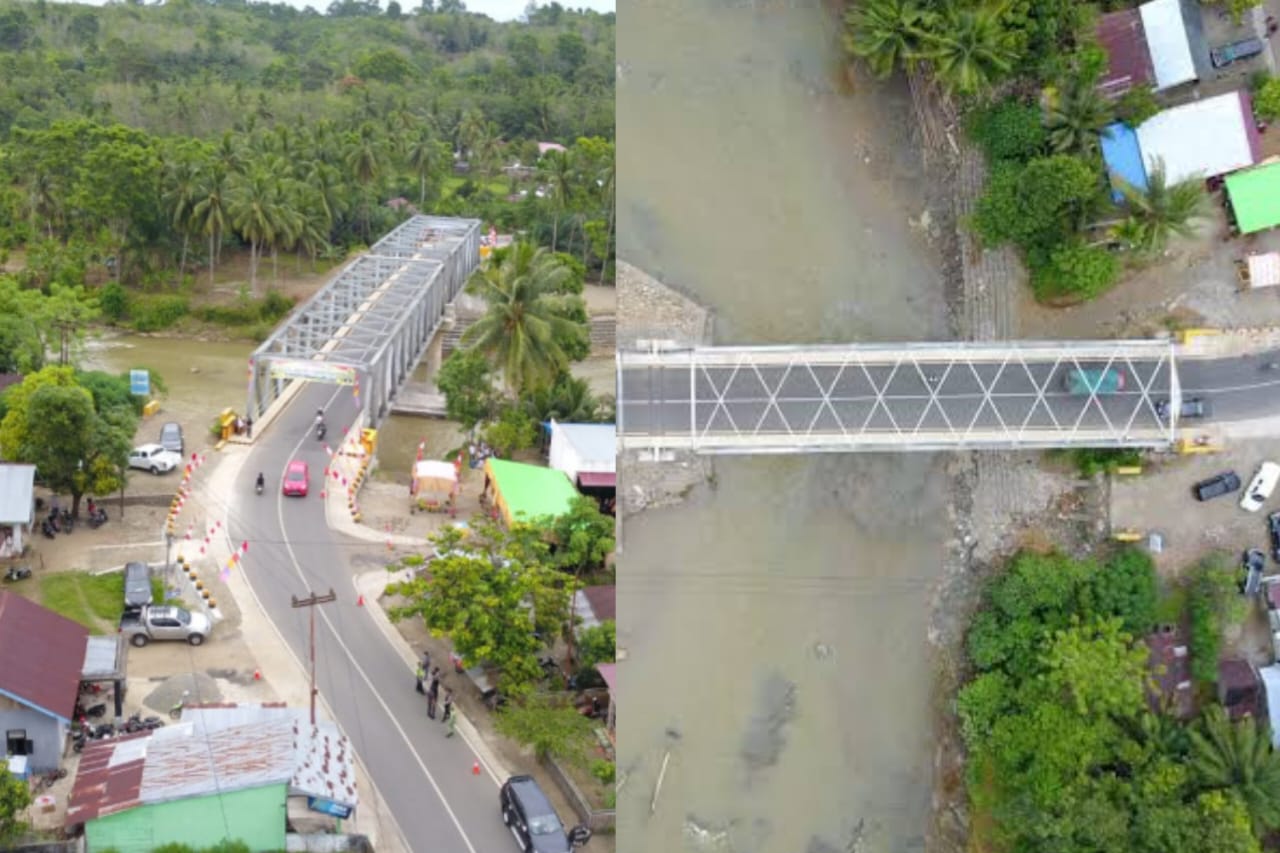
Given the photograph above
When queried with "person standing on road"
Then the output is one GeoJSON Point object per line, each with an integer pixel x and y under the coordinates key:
{"type": "Point", "coordinates": [433, 693]}
{"type": "Point", "coordinates": [448, 705]}
{"type": "Point", "coordinates": [418, 675]}
{"type": "Point", "coordinates": [426, 662]}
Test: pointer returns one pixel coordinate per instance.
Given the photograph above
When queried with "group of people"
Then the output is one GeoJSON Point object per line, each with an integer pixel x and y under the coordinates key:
{"type": "Point", "coordinates": [243, 426]}
{"type": "Point", "coordinates": [478, 453]}
{"type": "Point", "coordinates": [428, 681]}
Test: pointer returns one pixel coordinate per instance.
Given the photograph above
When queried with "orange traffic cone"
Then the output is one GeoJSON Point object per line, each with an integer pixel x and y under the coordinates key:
{"type": "Point", "coordinates": [475, 768]}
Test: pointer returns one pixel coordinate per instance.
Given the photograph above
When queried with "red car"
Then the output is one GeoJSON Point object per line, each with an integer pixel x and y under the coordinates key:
{"type": "Point", "coordinates": [297, 477]}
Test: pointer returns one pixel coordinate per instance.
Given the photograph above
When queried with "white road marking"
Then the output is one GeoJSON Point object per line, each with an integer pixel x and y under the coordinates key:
{"type": "Point", "coordinates": [297, 567]}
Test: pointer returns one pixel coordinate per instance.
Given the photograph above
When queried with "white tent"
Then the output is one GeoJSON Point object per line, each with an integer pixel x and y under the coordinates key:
{"type": "Point", "coordinates": [1201, 139]}
{"type": "Point", "coordinates": [1167, 43]}
{"type": "Point", "coordinates": [591, 449]}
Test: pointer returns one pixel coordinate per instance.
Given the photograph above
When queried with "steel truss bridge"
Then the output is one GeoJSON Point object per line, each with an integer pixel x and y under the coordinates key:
{"type": "Point", "coordinates": [878, 397]}
{"type": "Point", "coordinates": [371, 324]}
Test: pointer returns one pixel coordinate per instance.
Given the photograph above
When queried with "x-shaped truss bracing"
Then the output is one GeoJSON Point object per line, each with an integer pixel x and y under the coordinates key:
{"type": "Point", "coordinates": [909, 396]}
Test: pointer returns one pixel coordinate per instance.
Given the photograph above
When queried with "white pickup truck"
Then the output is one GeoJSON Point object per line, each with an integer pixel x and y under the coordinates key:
{"type": "Point", "coordinates": [164, 623]}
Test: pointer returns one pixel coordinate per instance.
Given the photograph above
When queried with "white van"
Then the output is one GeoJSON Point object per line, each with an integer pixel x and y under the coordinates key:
{"type": "Point", "coordinates": [1261, 487]}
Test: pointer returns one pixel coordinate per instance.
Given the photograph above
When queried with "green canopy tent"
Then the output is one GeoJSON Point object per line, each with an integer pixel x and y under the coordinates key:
{"type": "Point", "coordinates": [1255, 197]}
{"type": "Point", "coordinates": [526, 492]}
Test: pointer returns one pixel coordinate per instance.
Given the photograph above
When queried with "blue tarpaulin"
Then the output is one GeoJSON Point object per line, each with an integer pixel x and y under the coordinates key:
{"type": "Point", "coordinates": [1123, 156]}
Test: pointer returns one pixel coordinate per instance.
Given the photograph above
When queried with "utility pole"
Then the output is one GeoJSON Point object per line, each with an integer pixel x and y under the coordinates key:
{"type": "Point", "coordinates": [311, 602]}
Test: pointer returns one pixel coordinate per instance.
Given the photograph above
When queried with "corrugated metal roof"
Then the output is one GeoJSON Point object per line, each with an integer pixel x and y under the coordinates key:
{"type": "Point", "coordinates": [214, 749]}
{"type": "Point", "coordinates": [1203, 138]}
{"type": "Point", "coordinates": [1271, 683]}
{"type": "Point", "coordinates": [609, 672]}
{"type": "Point", "coordinates": [595, 444]}
{"type": "Point", "coordinates": [41, 655]}
{"type": "Point", "coordinates": [1128, 61]}
{"type": "Point", "coordinates": [1167, 43]}
{"type": "Point", "coordinates": [17, 493]}
{"type": "Point", "coordinates": [105, 785]}
{"type": "Point", "coordinates": [185, 761]}
{"type": "Point", "coordinates": [603, 600]}
{"type": "Point", "coordinates": [1123, 156]}
{"type": "Point", "coordinates": [100, 657]}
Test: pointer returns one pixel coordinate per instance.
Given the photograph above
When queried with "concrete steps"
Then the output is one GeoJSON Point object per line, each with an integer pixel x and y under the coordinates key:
{"type": "Point", "coordinates": [604, 334]}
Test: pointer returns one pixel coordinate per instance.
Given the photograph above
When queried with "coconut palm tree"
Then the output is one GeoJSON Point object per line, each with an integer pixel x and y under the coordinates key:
{"type": "Point", "coordinates": [1238, 757]}
{"type": "Point", "coordinates": [181, 192]}
{"type": "Point", "coordinates": [608, 175]}
{"type": "Point", "coordinates": [209, 214]}
{"type": "Point", "coordinates": [887, 34]}
{"type": "Point", "coordinates": [1161, 211]}
{"type": "Point", "coordinates": [422, 156]}
{"type": "Point", "coordinates": [969, 47]}
{"type": "Point", "coordinates": [524, 327]}
{"type": "Point", "coordinates": [557, 170]}
{"type": "Point", "coordinates": [364, 163]}
{"type": "Point", "coordinates": [254, 210]}
{"type": "Point", "coordinates": [568, 399]}
{"type": "Point", "coordinates": [1077, 118]}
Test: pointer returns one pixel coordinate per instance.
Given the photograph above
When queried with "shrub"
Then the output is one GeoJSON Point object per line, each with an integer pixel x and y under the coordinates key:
{"type": "Point", "coordinates": [1212, 604]}
{"type": "Point", "coordinates": [153, 313]}
{"type": "Point", "coordinates": [113, 299]}
{"type": "Point", "coordinates": [603, 770]}
{"type": "Point", "coordinates": [1266, 100]}
{"type": "Point", "coordinates": [1137, 105]}
{"type": "Point", "coordinates": [274, 306]}
{"type": "Point", "coordinates": [577, 277]}
{"type": "Point", "coordinates": [1072, 272]}
{"type": "Point", "coordinates": [1095, 460]}
{"type": "Point", "coordinates": [1007, 130]}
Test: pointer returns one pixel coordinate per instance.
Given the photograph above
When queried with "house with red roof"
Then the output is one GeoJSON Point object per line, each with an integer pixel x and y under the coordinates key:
{"type": "Point", "coordinates": [42, 658]}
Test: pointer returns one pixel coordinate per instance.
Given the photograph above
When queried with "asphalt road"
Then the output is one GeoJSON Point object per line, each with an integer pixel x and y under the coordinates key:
{"type": "Point", "coordinates": [424, 777]}
{"type": "Point", "coordinates": [882, 398]}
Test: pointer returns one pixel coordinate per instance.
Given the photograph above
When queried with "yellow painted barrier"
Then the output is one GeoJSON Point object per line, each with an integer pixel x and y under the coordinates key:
{"type": "Point", "coordinates": [150, 408]}
{"type": "Point", "coordinates": [1189, 447]}
{"type": "Point", "coordinates": [1126, 536]}
{"type": "Point", "coordinates": [1129, 470]}
{"type": "Point", "coordinates": [1187, 335]}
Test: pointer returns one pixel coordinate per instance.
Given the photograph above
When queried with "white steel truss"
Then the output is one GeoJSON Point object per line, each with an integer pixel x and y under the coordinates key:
{"type": "Point", "coordinates": [926, 396]}
{"type": "Point", "coordinates": [376, 317]}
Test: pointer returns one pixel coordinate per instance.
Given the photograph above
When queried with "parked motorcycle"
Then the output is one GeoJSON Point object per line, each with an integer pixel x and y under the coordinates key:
{"type": "Point", "coordinates": [17, 573]}
{"type": "Point", "coordinates": [137, 723]}
{"type": "Point", "coordinates": [67, 520]}
{"type": "Point", "coordinates": [96, 518]}
{"type": "Point", "coordinates": [49, 531]}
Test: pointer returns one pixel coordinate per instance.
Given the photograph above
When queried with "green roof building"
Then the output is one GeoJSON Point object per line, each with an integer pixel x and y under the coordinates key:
{"type": "Point", "coordinates": [1255, 197]}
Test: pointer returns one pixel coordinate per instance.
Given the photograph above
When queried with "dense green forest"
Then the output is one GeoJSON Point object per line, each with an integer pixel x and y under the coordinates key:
{"type": "Point", "coordinates": [141, 143]}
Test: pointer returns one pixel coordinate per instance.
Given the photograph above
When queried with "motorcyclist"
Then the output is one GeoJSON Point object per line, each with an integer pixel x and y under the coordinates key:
{"type": "Point", "coordinates": [319, 417]}
{"type": "Point", "coordinates": [262, 482]}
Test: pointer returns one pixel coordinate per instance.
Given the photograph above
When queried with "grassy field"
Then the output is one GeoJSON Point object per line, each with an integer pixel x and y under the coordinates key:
{"type": "Point", "coordinates": [95, 601]}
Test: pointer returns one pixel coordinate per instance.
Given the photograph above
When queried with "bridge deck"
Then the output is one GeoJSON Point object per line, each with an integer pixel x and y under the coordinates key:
{"type": "Point", "coordinates": [907, 396]}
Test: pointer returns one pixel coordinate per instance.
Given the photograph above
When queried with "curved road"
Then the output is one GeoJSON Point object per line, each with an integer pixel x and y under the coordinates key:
{"type": "Point", "coordinates": [425, 778]}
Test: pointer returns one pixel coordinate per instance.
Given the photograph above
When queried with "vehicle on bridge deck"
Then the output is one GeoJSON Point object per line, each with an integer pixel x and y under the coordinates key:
{"type": "Point", "coordinates": [1192, 407]}
{"type": "Point", "coordinates": [1261, 487]}
{"type": "Point", "coordinates": [1217, 486]}
{"type": "Point", "coordinates": [297, 478]}
{"type": "Point", "coordinates": [1079, 380]}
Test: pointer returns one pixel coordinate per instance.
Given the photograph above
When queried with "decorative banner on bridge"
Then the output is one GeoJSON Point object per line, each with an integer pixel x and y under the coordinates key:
{"type": "Point", "coordinates": [316, 371]}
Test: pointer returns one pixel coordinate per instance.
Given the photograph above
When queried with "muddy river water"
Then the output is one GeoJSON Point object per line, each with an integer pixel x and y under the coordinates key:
{"type": "Point", "coordinates": [775, 623]}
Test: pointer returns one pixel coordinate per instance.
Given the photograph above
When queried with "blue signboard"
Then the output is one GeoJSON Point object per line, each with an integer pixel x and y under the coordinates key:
{"type": "Point", "coordinates": [140, 382]}
{"type": "Point", "coordinates": [328, 807]}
